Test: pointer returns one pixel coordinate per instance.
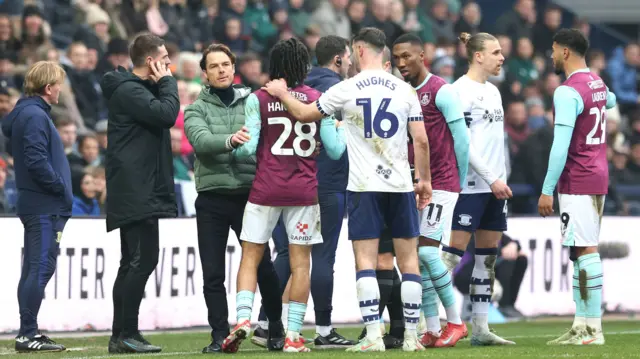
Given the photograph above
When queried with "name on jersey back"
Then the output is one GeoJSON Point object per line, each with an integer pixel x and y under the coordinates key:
{"type": "Point", "coordinates": [279, 106]}
{"type": "Point", "coordinates": [373, 81]}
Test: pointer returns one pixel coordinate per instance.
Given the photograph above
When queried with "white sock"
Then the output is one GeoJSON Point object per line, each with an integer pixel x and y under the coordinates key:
{"type": "Point", "coordinates": [263, 324]}
{"type": "Point", "coordinates": [579, 322]}
{"type": "Point", "coordinates": [595, 323]}
{"type": "Point", "coordinates": [285, 314]}
{"type": "Point", "coordinates": [452, 315]}
{"type": "Point", "coordinates": [481, 288]}
{"type": "Point", "coordinates": [323, 330]}
{"type": "Point", "coordinates": [369, 301]}
{"type": "Point", "coordinates": [411, 292]}
{"type": "Point", "coordinates": [433, 325]}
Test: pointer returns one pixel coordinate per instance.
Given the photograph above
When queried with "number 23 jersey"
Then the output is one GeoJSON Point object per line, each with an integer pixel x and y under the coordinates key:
{"type": "Point", "coordinates": [376, 107]}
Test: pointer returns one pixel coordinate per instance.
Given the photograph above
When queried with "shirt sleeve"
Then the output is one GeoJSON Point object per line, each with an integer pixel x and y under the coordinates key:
{"type": "Point", "coordinates": [332, 138]}
{"type": "Point", "coordinates": [415, 110]}
{"type": "Point", "coordinates": [461, 142]}
{"type": "Point", "coordinates": [253, 122]}
{"type": "Point", "coordinates": [568, 105]}
{"type": "Point", "coordinates": [448, 103]}
{"type": "Point", "coordinates": [611, 99]}
{"type": "Point", "coordinates": [334, 99]}
{"type": "Point", "coordinates": [557, 157]}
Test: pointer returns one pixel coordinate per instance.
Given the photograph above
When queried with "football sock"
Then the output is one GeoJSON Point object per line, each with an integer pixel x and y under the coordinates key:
{"type": "Point", "coordinates": [411, 298]}
{"type": "Point", "coordinates": [592, 265]}
{"type": "Point", "coordinates": [480, 288]}
{"type": "Point", "coordinates": [429, 301]}
{"type": "Point", "coordinates": [451, 257]}
{"type": "Point", "coordinates": [323, 330]}
{"type": "Point", "coordinates": [285, 313]}
{"type": "Point", "coordinates": [394, 307]}
{"type": "Point", "coordinates": [580, 320]}
{"type": "Point", "coordinates": [263, 324]}
{"type": "Point", "coordinates": [297, 311]}
{"type": "Point", "coordinates": [385, 286]}
{"type": "Point", "coordinates": [244, 305]}
{"type": "Point", "coordinates": [441, 279]}
{"type": "Point", "coordinates": [369, 299]}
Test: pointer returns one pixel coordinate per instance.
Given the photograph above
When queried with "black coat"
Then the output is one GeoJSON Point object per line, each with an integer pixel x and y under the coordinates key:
{"type": "Point", "coordinates": [139, 162]}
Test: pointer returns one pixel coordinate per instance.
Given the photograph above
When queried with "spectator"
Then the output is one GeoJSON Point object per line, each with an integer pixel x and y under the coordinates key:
{"type": "Point", "coordinates": [181, 165]}
{"type": "Point", "coordinates": [521, 64]}
{"type": "Point", "coordinates": [381, 19]}
{"type": "Point", "coordinates": [101, 136]}
{"type": "Point", "coordinates": [250, 71]}
{"type": "Point", "coordinates": [100, 185]}
{"type": "Point", "coordinates": [332, 18]}
{"type": "Point", "coordinates": [543, 32]}
{"type": "Point", "coordinates": [623, 69]}
{"type": "Point", "coordinates": [442, 25]}
{"type": "Point", "coordinates": [68, 134]}
{"type": "Point", "coordinates": [598, 65]}
{"type": "Point", "coordinates": [518, 23]}
{"type": "Point", "coordinates": [84, 196]}
{"type": "Point", "coordinates": [298, 17]}
{"type": "Point", "coordinates": [8, 42]}
{"type": "Point", "coordinates": [357, 13]}
{"type": "Point", "coordinates": [470, 20]}
{"type": "Point", "coordinates": [535, 113]}
{"type": "Point", "coordinates": [117, 55]}
{"type": "Point", "coordinates": [516, 126]}
{"type": "Point", "coordinates": [88, 154]}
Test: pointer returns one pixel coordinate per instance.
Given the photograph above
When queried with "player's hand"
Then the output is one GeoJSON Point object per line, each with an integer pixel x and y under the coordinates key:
{"type": "Point", "coordinates": [240, 137]}
{"type": "Point", "coordinates": [159, 70]}
{"type": "Point", "coordinates": [468, 118]}
{"type": "Point", "coordinates": [545, 205]}
{"type": "Point", "coordinates": [276, 88]}
{"type": "Point", "coordinates": [423, 194]}
{"type": "Point", "coordinates": [338, 123]}
{"type": "Point", "coordinates": [510, 251]}
{"type": "Point", "coordinates": [501, 190]}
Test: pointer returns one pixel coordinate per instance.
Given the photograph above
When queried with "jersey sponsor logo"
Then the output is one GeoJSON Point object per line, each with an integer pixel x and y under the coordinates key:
{"type": "Point", "coordinates": [425, 98]}
{"type": "Point", "coordinates": [496, 116]}
{"type": "Point", "coordinates": [465, 220]}
{"type": "Point", "coordinates": [384, 172]}
{"type": "Point", "coordinates": [302, 227]}
{"type": "Point", "coordinates": [594, 85]}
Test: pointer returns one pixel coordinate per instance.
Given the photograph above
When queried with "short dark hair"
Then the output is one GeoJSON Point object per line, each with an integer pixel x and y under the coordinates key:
{"type": "Point", "coordinates": [216, 48]}
{"type": "Point", "coordinates": [573, 39]}
{"type": "Point", "coordinates": [289, 60]}
{"type": "Point", "coordinates": [408, 38]}
{"type": "Point", "coordinates": [329, 47]}
{"type": "Point", "coordinates": [64, 122]}
{"type": "Point", "coordinates": [142, 46]}
{"type": "Point", "coordinates": [371, 36]}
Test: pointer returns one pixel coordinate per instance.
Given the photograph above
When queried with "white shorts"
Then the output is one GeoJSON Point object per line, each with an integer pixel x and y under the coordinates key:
{"type": "Point", "coordinates": [435, 220]}
{"type": "Point", "coordinates": [302, 223]}
{"type": "Point", "coordinates": [580, 217]}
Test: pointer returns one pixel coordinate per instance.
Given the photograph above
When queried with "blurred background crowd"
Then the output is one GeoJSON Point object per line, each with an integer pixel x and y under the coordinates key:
{"type": "Point", "coordinates": [90, 37]}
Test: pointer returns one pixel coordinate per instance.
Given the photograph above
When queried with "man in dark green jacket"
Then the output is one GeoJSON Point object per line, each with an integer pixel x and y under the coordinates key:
{"type": "Point", "coordinates": [214, 125]}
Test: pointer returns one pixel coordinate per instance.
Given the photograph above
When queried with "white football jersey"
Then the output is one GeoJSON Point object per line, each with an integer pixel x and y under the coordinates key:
{"type": "Point", "coordinates": [484, 103]}
{"type": "Point", "coordinates": [376, 107]}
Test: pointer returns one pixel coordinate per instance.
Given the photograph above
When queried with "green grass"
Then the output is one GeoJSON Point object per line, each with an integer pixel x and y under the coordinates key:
{"type": "Point", "coordinates": [623, 341]}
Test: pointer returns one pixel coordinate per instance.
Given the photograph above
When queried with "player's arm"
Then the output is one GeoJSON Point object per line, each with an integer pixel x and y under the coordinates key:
{"type": "Point", "coordinates": [480, 166]}
{"type": "Point", "coordinates": [421, 156]}
{"type": "Point", "coordinates": [448, 103]}
{"type": "Point", "coordinates": [253, 122]}
{"type": "Point", "coordinates": [332, 138]}
{"type": "Point", "coordinates": [611, 99]}
{"type": "Point", "coordinates": [568, 104]}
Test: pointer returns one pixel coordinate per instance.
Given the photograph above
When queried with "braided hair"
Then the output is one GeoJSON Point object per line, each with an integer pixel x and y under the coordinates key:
{"type": "Point", "coordinates": [289, 60]}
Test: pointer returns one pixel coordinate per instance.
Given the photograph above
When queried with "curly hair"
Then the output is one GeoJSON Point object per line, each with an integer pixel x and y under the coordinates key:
{"type": "Point", "coordinates": [289, 60]}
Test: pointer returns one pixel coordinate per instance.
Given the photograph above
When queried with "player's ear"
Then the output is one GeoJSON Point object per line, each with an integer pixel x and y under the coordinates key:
{"type": "Point", "coordinates": [422, 55]}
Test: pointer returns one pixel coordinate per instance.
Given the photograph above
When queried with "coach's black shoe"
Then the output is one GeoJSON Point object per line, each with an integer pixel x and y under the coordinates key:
{"type": "Point", "coordinates": [137, 344]}
{"type": "Point", "coordinates": [260, 337]}
{"type": "Point", "coordinates": [332, 341]}
{"type": "Point", "coordinates": [114, 348]}
{"type": "Point", "coordinates": [391, 342]}
{"type": "Point", "coordinates": [215, 347]}
{"type": "Point", "coordinates": [39, 343]}
{"type": "Point", "coordinates": [275, 336]}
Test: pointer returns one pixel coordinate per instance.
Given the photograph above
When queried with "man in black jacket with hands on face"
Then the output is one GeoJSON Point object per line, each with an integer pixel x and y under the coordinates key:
{"type": "Point", "coordinates": [143, 106]}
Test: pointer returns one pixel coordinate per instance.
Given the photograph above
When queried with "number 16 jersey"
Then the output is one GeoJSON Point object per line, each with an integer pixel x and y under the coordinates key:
{"type": "Point", "coordinates": [376, 107]}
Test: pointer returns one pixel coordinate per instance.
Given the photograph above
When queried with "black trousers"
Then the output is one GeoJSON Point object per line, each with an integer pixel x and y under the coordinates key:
{"type": "Point", "coordinates": [215, 214]}
{"type": "Point", "coordinates": [139, 246]}
{"type": "Point", "coordinates": [510, 274]}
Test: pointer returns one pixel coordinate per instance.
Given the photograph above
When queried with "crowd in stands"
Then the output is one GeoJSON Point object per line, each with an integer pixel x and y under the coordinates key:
{"type": "Point", "coordinates": [90, 37]}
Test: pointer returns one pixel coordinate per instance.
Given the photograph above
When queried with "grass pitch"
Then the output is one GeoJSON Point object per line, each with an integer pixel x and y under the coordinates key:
{"type": "Point", "coordinates": [622, 341]}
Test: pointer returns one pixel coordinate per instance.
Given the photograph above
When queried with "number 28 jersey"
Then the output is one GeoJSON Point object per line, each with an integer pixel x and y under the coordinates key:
{"type": "Point", "coordinates": [376, 107]}
{"type": "Point", "coordinates": [286, 167]}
